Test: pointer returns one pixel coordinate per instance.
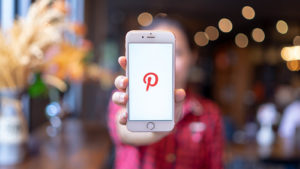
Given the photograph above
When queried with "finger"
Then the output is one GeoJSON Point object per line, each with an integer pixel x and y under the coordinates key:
{"type": "Point", "coordinates": [179, 98]}
{"type": "Point", "coordinates": [179, 95]}
{"type": "Point", "coordinates": [120, 98]}
{"type": "Point", "coordinates": [123, 118]}
{"type": "Point", "coordinates": [123, 62]}
{"type": "Point", "coordinates": [121, 83]}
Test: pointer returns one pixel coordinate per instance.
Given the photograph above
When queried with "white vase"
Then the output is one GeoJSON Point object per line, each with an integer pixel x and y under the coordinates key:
{"type": "Point", "coordinates": [13, 129]}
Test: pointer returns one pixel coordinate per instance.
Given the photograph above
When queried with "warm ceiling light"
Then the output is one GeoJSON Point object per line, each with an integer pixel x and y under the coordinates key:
{"type": "Point", "coordinates": [290, 53]}
{"type": "Point", "coordinates": [201, 38]}
{"type": "Point", "coordinates": [282, 27]}
{"type": "Point", "coordinates": [258, 35]}
{"type": "Point", "coordinates": [296, 41]}
{"type": "Point", "coordinates": [225, 25]}
{"type": "Point", "coordinates": [241, 40]}
{"type": "Point", "coordinates": [248, 12]}
{"type": "Point", "coordinates": [212, 33]}
{"type": "Point", "coordinates": [145, 19]}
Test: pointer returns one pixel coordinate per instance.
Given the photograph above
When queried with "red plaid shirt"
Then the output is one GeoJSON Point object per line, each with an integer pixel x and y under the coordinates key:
{"type": "Point", "coordinates": [195, 143]}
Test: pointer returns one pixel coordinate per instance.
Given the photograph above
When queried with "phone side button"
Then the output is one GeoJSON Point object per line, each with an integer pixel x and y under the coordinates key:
{"type": "Point", "coordinates": [150, 125]}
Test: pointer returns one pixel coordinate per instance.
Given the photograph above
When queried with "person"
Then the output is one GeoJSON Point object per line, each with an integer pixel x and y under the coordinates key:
{"type": "Point", "coordinates": [197, 138]}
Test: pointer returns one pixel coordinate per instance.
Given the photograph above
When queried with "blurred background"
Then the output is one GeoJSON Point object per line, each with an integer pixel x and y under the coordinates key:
{"type": "Point", "coordinates": [55, 117]}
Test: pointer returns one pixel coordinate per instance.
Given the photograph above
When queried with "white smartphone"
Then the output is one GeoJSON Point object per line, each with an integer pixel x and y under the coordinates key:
{"type": "Point", "coordinates": [151, 74]}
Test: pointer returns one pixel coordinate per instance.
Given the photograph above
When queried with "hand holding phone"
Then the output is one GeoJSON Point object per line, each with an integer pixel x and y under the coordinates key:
{"type": "Point", "coordinates": [121, 97]}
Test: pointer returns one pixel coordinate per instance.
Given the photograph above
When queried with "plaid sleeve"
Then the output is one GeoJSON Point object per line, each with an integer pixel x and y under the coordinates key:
{"type": "Point", "coordinates": [217, 141]}
{"type": "Point", "coordinates": [113, 110]}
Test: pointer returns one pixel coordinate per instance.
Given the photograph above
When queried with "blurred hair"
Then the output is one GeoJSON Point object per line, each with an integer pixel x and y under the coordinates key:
{"type": "Point", "coordinates": [160, 21]}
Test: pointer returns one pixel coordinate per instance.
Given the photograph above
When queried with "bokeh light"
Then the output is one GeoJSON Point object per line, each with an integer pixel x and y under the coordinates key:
{"type": "Point", "coordinates": [201, 38]}
{"type": "Point", "coordinates": [284, 53]}
{"type": "Point", "coordinates": [212, 33]}
{"type": "Point", "coordinates": [282, 27]}
{"type": "Point", "coordinates": [145, 19]}
{"type": "Point", "coordinates": [296, 40]}
{"type": "Point", "coordinates": [293, 65]}
{"type": "Point", "coordinates": [225, 25]}
{"type": "Point", "coordinates": [241, 40]}
{"type": "Point", "coordinates": [248, 12]}
{"type": "Point", "coordinates": [290, 53]}
{"type": "Point", "coordinates": [258, 35]}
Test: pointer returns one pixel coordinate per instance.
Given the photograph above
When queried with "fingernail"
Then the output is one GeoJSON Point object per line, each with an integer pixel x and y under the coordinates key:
{"type": "Point", "coordinates": [122, 97]}
{"type": "Point", "coordinates": [122, 82]}
{"type": "Point", "coordinates": [124, 115]}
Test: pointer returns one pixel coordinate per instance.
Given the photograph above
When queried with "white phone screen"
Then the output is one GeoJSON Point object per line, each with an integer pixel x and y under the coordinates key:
{"type": "Point", "coordinates": [150, 81]}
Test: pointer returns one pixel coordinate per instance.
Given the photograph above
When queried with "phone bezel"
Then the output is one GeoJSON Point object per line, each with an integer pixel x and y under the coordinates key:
{"type": "Point", "coordinates": [151, 36]}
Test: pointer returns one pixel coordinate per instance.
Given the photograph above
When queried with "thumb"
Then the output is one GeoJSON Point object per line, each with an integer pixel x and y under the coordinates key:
{"type": "Point", "coordinates": [179, 99]}
{"type": "Point", "coordinates": [179, 95]}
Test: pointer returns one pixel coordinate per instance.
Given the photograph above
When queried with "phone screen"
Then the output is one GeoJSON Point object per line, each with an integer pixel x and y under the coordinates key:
{"type": "Point", "coordinates": [150, 71]}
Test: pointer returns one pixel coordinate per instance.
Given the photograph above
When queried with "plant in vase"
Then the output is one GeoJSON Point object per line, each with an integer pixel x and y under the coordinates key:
{"type": "Point", "coordinates": [22, 52]}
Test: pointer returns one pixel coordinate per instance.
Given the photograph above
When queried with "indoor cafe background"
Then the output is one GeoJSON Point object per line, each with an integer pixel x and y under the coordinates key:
{"type": "Point", "coordinates": [248, 63]}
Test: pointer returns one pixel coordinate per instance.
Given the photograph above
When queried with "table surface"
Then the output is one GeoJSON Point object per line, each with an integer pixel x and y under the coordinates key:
{"type": "Point", "coordinates": [79, 145]}
{"type": "Point", "coordinates": [86, 145]}
{"type": "Point", "coordinates": [282, 151]}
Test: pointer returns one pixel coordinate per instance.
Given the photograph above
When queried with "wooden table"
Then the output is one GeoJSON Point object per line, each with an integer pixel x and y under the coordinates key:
{"type": "Point", "coordinates": [80, 145]}
{"type": "Point", "coordinates": [285, 152]}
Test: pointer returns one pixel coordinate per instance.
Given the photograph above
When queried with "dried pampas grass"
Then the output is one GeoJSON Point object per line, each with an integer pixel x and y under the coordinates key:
{"type": "Point", "coordinates": [22, 47]}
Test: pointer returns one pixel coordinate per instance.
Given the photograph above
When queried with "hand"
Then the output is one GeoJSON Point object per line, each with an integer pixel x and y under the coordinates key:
{"type": "Point", "coordinates": [121, 98]}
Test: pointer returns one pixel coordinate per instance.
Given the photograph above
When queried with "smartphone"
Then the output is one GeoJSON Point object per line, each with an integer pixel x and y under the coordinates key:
{"type": "Point", "coordinates": [151, 74]}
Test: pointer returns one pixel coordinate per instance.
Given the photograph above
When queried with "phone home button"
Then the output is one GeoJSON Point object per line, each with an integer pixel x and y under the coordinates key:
{"type": "Point", "coordinates": [150, 125]}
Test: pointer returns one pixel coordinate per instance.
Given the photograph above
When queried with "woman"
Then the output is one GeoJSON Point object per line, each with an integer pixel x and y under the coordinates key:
{"type": "Point", "coordinates": [197, 138]}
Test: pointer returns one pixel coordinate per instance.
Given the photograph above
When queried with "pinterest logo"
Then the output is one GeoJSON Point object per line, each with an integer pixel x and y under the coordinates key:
{"type": "Point", "coordinates": [148, 79]}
